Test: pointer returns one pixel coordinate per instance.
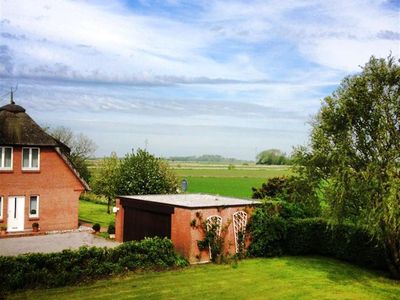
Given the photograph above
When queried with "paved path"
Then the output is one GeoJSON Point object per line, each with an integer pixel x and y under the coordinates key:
{"type": "Point", "coordinates": [51, 243]}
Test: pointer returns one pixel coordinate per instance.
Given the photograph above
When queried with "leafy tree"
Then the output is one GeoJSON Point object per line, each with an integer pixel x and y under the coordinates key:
{"type": "Point", "coordinates": [141, 173]}
{"type": "Point", "coordinates": [355, 149]}
{"type": "Point", "coordinates": [295, 190]}
{"type": "Point", "coordinates": [82, 148]}
{"type": "Point", "coordinates": [104, 180]}
{"type": "Point", "coordinates": [272, 157]}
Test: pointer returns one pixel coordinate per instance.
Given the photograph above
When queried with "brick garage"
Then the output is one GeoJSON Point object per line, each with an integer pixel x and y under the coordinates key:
{"type": "Point", "coordinates": [173, 216]}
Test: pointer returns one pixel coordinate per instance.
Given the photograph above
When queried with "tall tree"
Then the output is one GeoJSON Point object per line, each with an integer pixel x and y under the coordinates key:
{"type": "Point", "coordinates": [104, 180]}
{"type": "Point", "coordinates": [82, 147]}
{"type": "Point", "coordinates": [142, 173]}
{"type": "Point", "coordinates": [355, 149]}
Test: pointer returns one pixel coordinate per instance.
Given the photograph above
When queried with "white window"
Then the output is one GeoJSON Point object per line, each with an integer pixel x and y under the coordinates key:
{"type": "Point", "coordinates": [34, 207]}
{"type": "Point", "coordinates": [1, 208]}
{"type": "Point", "coordinates": [6, 154]}
{"type": "Point", "coordinates": [30, 158]}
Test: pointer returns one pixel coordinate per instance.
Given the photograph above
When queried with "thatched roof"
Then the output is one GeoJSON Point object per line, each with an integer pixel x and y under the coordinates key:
{"type": "Point", "coordinates": [18, 128]}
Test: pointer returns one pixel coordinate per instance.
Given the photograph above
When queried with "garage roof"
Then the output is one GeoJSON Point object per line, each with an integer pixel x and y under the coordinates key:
{"type": "Point", "coordinates": [192, 200]}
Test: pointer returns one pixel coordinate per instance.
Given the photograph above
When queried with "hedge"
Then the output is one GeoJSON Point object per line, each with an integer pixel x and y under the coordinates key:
{"type": "Point", "coordinates": [72, 266]}
{"type": "Point", "coordinates": [273, 235]}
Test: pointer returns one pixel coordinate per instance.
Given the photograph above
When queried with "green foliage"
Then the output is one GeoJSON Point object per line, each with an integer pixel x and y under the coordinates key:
{"type": "Point", "coordinates": [355, 146]}
{"type": "Point", "coordinates": [92, 197]}
{"type": "Point", "coordinates": [212, 239]}
{"type": "Point", "coordinates": [293, 189]}
{"type": "Point", "coordinates": [111, 228]}
{"type": "Point", "coordinates": [275, 231]}
{"type": "Point", "coordinates": [96, 227]}
{"type": "Point", "coordinates": [68, 267]}
{"type": "Point", "coordinates": [104, 181]}
{"type": "Point", "coordinates": [141, 173]}
{"type": "Point", "coordinates": [272, 188]}
{"type": "Point", "coordinates": [272, 157]}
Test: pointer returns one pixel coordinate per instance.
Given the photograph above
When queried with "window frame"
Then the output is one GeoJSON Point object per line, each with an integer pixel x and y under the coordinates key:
{"type": "Point", "coordinates": [30, 168]}
{"type": "Point", "coordinates": [1, 207]}
{"type": "Point", "coordinates": [3, 158]}
{"type": "Point", "coordinates": [35, 216]}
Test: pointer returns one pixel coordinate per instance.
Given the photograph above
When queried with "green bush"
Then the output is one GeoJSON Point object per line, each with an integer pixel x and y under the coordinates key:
{"type": "Point", "coordinates": [111, 228]}
{"type": "Point", "coordinates": [72, 266]}
{"type": "Point", "coordinates": [96, 227]}
{"type": "Point", "coordinates": [274, 235]}
{"type": "Point", "coordinates": [345, 242]}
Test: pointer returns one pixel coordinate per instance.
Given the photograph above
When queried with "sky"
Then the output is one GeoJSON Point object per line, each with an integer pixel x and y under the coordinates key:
{"type": "Point", "coordinates": [187, 77]}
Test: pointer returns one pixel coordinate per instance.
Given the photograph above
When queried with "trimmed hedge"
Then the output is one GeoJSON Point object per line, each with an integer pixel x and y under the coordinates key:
{"type": "Point", "coordinates": [274, 235]}
{"type": "Point", "coordinates": [72, 266]}
{"type": "Point", "coordinates": [345, 242]}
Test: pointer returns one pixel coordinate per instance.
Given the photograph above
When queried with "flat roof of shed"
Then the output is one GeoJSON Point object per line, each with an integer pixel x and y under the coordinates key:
{"type": "Point", "coordinates": [192, 200]}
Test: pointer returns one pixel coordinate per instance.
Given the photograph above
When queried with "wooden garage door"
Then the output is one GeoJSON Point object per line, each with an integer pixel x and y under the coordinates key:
{"type": "Point", "coordinates": [139, 224]}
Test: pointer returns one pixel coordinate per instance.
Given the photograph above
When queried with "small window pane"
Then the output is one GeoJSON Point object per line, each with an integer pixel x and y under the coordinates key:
{"type": "Point", "coordinates": [35, 158]}
{"type": "Point", "coordinates": [7, 157]}
{"type": "Point", "coordinates": [25, 158]}
{"type": "Point", "coordinates": [33, 205]}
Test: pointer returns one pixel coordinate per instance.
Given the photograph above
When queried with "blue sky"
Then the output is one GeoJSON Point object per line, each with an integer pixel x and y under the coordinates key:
{"type": "Point", "coordinates": [189, 77]}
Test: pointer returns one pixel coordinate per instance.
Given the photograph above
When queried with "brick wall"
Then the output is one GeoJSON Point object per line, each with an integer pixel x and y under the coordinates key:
{"type": "Point", "coordinates": [55, 184]}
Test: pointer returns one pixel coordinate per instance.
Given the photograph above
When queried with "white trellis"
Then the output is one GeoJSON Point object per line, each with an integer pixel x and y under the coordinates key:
{"type": "Point", "coordinates": [217, 221]}
{"type": "Point", "coordinates": [239, 226]}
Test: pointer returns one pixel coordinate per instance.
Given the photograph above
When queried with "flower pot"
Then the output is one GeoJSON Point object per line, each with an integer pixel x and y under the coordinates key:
{"type": "Point", "coordinates": [35, 229]}
{"type": "Point", "coordinates": [3, 232]}
{"type": "Point", "coordinates": [112, 236]}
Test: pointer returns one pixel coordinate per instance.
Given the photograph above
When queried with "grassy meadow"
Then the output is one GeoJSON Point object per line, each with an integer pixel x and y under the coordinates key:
{"type": "Point", "coordinates": [273, 278]}
{"type": "Point", "coordinates": [226, 180]}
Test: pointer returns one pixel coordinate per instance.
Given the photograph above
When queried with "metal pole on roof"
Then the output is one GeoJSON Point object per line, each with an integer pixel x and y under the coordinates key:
{"type": "Point", "coordinates": [12, 97]}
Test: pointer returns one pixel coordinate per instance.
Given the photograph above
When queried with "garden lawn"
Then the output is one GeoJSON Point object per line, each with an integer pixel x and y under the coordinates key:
{"type": "Point", "coordinates": [275, 278]}
{"type": "Point", "coordinates": [94, 213]}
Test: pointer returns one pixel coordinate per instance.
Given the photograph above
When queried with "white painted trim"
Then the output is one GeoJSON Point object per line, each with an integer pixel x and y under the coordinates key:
{"type": "Point", "coordinates": [30, 168]}
{"type": "Point", "coordinates": [1, 207]}
{"type": "Point", "coordinates": [2, 159]}
{"type": "Point", "coordinates": [37, 206]}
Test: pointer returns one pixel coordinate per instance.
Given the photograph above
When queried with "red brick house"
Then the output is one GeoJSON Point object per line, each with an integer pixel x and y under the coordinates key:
{"type": "Point", "coordinates": [38, 183]}
{"type": "Point", "coordinates": [178, 217]}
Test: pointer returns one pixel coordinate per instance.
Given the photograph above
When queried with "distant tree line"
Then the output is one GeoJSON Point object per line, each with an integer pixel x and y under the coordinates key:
{"type": "Point", "coordinates": [272, 157]}
{"type": "Point", "coordinates": [205, 158]}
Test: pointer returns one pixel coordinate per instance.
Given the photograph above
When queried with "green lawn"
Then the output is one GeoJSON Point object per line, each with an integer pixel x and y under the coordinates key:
{"type": "Point", "coordinates": [275, 278]}
{"type": "Point", "coordinates": [94, 213]}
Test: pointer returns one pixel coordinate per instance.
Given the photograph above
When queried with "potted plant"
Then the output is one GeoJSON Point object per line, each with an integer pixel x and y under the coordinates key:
{"type": "Point", "coordinates": [3, 230]}
{"type": "Point", "coordinates": [111, 230]}
{"type": "Point", "coordinates": [96, 228]}
{"type": "Point", "coordinates": [35, 227]}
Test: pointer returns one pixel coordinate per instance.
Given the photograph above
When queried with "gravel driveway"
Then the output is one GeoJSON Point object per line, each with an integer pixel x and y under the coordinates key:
{"type": "Point", "coordinates": [51, 243]}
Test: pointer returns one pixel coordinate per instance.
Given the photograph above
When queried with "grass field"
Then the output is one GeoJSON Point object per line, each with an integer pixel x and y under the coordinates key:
{"type": "Point", "coordinates": [94, 213]}
{"type": "Point", "coordinates": [275, 278]}
{"type": "Point", "coordinates": [220, 180]}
